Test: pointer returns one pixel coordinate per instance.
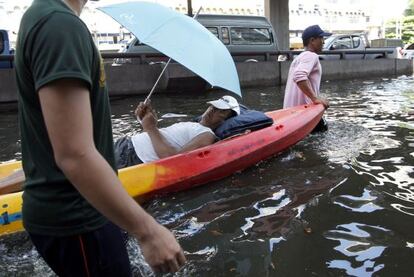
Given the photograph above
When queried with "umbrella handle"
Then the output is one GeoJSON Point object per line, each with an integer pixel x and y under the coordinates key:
{"type": "Point", "coordinates": [165, 67]}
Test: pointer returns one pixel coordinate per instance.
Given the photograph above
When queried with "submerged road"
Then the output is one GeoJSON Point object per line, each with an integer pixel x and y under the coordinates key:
{"type": "Point", "coordinates": [340, 203]}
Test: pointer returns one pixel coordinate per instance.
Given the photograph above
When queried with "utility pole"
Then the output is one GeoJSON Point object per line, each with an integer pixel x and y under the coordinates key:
{"type": "Point", "coordinates": [189, 8]}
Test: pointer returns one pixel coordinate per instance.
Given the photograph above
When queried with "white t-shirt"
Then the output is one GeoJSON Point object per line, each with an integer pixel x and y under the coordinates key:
{"type": "Point", "coordinates": [177, 135]}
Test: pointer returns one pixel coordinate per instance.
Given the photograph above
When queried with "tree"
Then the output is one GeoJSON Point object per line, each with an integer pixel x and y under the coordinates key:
{"type": "Point", "coordinates": [410, 9]}
{"type": "Point", "coordinates": [408, 29]}
{"type": "Point", "coordinates": [407, 25]}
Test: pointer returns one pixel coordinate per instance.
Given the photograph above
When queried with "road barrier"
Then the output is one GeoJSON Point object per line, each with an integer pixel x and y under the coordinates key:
{"type": "Point", "coordinates": [138, 76]}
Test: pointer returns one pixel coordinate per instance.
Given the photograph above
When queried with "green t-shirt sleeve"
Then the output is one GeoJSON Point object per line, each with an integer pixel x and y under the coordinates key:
{"type": "Point", "coordinates": [60, 48]}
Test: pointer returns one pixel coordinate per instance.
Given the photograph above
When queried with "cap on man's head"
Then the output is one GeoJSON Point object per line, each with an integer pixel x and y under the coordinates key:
{"type": "Point", "coordinates": [226, 103]}
{"type": "Point", "coordinates": [314, 31]}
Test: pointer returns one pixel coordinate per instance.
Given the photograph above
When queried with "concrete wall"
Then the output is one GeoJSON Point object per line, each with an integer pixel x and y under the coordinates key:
{"type": "Point", "coordinates": [130, 79]}
{"type": "Point", "coordinates": [262, 74]}
{"type": "Point", "coordinates": [134, 78]}
{"type": "Point", "coordinates": [353, 69]}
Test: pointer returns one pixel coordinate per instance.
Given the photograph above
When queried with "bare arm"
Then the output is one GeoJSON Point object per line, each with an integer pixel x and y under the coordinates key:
{"type": "Point", "coordinates": [306, 88]}
{"type": "Point", "coordinates": [160, 144]}
{"type": "Point", "coordinates": [66, 110]}
{"type": "Point", "coordinates": [149, 123]}
{"type": "Point", "coordinates": [164, 149]}
{"type": "Point", "coordinates": [199, 141]}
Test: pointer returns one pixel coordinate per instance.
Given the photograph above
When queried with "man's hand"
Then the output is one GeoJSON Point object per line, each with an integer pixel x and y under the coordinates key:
{"type": "Point", "coordinates": [147, 116]}
{"type": "Point", "coordinates": [142, 109]}
{"type": "Point", "coordinates": [322, 101]}
{"type": "Point", "coordinates": [161, 250]}
{"type": "Point", "coordinates": [307, 89]}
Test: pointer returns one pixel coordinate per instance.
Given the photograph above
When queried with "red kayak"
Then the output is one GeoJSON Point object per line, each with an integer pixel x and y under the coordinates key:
{"type": "Point", "coordinates": [196, 167]}
{"type": "Point", "coordinates": [223, 158]}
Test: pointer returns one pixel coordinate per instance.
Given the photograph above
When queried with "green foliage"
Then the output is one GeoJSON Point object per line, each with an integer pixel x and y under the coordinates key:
{"type": "Point", "coordinates": [407, 25]}
{"type": "Point", "coordinates": [410, 9]}
{"type": "Point", "coordinates": [408, 29]}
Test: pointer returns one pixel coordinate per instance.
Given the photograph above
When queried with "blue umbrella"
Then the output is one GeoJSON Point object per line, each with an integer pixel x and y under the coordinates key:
{"type": "Point", "coordinates": [179, 37]}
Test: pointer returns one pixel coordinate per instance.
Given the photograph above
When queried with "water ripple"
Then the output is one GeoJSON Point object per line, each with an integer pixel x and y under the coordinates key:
{"type": "Point", "coordinates": [362, 244]}
{"type": "Point", "coordinates": [363, 204]}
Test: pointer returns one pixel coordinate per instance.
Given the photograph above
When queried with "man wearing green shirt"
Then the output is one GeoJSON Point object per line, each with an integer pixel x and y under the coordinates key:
{"type": "Point", "coordinates": [71, 193]}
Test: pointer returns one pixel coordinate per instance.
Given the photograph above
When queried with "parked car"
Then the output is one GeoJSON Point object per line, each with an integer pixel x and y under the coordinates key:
{"type": "Point", "coordinates": [5, 49]}
{"type": "Point", "coordinates": [353, 42]}
{"type": "Point", "coordinates": [248, 38]}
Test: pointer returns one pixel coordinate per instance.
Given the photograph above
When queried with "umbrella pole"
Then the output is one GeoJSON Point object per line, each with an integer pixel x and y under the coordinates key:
{"type": "Point", "coordinates": [163, 70]}
{"type": "Point", "coordinates": [156, 82]}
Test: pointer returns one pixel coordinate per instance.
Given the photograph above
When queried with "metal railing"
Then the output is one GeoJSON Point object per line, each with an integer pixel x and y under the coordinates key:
{"type": "Point", "coordinates": [267, 56]}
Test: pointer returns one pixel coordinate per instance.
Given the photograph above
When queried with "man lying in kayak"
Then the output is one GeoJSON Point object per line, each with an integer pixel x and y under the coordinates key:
{"type": "Point", "coordinates": [156, 143]}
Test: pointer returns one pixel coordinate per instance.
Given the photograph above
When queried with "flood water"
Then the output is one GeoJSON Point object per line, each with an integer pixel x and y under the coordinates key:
{"type": "Point", "coordinates": [340, 203]}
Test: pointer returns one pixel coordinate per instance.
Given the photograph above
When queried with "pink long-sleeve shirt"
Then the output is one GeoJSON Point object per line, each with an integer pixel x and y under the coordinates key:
{"type": "Point", "coordinates": [305, 66]}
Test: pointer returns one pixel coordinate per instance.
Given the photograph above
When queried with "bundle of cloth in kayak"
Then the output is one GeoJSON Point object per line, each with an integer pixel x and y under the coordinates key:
{"type": "Point", "coordinates": [247, 120]}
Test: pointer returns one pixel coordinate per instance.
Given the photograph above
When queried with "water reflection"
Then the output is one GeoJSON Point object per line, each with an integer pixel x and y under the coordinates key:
{"type": "Point", "coordinates": [362, 204]}
{"type": "Point", "coordinates": [361, 244]}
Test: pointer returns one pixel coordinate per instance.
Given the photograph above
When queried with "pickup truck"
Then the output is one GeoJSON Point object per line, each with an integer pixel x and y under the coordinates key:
{"type": "Point", "coordinates": [357, 47]}
{"type": "Point", "coordinates": [5, 49]}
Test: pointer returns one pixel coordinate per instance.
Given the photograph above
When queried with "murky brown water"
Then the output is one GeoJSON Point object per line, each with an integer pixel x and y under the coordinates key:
{"type": "Point", "coordinates": [339, 203]}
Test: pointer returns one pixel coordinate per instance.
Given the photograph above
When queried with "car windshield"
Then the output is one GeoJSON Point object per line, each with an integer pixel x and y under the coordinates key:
{"type": "Point", "coordinates": [328, 41]}
{"type": "Point", "coordinates": [410, 47]}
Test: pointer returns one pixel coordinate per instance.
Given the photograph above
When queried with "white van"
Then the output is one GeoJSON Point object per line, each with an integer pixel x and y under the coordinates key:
{"type": "Point", "coordinates": [248, 38]}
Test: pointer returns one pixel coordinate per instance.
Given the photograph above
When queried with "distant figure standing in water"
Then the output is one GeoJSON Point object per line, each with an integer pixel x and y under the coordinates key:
{"type": "Point", "coordinates": [304, 79]}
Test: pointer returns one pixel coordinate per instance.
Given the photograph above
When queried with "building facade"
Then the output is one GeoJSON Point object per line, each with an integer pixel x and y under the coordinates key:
{"type": "Point", "coordinates": [338, 16]}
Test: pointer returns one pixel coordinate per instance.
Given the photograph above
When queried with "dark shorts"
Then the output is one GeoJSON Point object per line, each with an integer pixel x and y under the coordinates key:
{"type": "Point", "coordinates": [125, 154]}
{"type": "Point", "coordinates": [321, 127]}
{"type": "Point", "coordinates": [98, 253]}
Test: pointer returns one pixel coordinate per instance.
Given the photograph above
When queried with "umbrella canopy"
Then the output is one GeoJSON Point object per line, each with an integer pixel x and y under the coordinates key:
{"type": "Point", "coordinates": [179, 37]}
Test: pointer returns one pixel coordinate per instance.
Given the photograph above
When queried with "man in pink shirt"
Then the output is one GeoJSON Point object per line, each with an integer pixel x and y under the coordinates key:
{"type": "Point", "coordinates": [305, 72]}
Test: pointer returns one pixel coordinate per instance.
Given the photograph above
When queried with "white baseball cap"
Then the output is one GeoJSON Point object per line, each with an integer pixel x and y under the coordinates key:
{"type": "Point", "coordinates": [226, 103]}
